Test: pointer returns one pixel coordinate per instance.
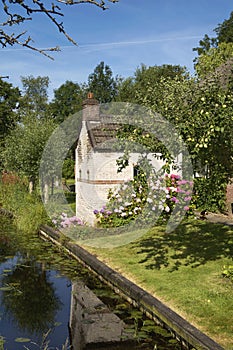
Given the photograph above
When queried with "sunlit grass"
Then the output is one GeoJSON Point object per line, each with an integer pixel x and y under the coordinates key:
{"type": "Point", "coordinates": [184, 269]}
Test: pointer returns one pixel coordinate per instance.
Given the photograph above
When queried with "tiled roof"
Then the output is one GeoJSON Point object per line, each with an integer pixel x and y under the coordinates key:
{"type": "Point", "coordinates": [103, 135]}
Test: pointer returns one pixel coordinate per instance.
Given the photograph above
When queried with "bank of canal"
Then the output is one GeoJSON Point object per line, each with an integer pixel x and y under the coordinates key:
{"type": "Point", "coordinates": [36, 280]}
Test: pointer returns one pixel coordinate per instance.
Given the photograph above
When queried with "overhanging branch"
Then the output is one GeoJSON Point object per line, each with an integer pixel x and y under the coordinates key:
{"type": "Point", "coordinates": [19, 11]}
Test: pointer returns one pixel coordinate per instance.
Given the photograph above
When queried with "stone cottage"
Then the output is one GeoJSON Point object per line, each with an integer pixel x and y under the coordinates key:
{"type": "Point", "coordinates": [96, 167]}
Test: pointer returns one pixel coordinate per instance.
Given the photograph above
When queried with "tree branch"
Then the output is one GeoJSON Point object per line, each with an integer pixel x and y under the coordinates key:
{"type": "Point", "coordinates": [37, 6]}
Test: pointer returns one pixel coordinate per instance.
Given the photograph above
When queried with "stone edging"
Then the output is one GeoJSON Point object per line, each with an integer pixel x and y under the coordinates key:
{"type": "Point", "coordinates": [153, 308]}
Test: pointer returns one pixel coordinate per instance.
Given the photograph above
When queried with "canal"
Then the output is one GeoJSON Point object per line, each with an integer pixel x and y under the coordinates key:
{"type": "Point", "coordinates": [47, 300]}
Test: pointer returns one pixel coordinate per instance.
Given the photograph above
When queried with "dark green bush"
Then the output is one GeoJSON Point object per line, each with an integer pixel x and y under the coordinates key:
{"type": "Point", "coordinates": [68, 169]}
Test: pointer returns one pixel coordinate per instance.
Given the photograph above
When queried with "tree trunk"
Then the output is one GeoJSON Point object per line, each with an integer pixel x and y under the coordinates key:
{"type": "Point", "coordinates": [46, 192]}
{"type": "Point", "coordinates": [31, 185]}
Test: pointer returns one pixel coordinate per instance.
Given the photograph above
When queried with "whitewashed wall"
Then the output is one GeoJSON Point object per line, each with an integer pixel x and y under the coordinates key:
{"type": "Point", "coordinates": [96, 173]}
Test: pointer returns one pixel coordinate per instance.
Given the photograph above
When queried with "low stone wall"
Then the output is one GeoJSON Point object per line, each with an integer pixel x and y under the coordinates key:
{"type": "Point", "coordinates": [152, 307]}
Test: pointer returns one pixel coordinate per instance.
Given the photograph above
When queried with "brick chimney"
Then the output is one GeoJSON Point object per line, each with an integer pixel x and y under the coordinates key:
{"type": "Point", "coordinates": [90, 108]}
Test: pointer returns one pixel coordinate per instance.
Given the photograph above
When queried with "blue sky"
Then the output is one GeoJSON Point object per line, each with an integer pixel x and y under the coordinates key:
{"type": "Point", "coordinates": [131, 32]}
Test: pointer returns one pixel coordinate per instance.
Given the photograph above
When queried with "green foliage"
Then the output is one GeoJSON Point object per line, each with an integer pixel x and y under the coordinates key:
{"type": "Point", "coordinates": [24, 146]}
{"type": "Point", "coordinates": [132, 89]}
{"type": "Point", "coordinates": [202, 112]}
{"type": "Point", "coordinates": [228, 272]}
{"type": "Point", "coordinates": [35, 98]}
{"type": "Point", "coordinates": [224, 30]}
{"type": "Point", "coordinates": [2, 341]}
{"type": "Point", "coordinates": [209, 193]}
{"type": "Point", "coordinates": [68, 168]}
{"type": "Point", "coordinates": [224, 33]}
{"type": "Point", "coordinates": [102, 83]}
{"type": "Point", "coordinates": [28, 210]}
{"type": "Point", "coordinates": [146, 199]}
{"type": "Point", "coordinates": [67, 100]}
{"type": "Point", "coordinates": [205, 45]}
{"type": "Point", "coordinates": [153, 74]}
{"type": "Point", "coordinates": [125, 90]}
{"type": "Point", "coordinates": [210, 60]}
{"type": "Point", "coordinates": [9, 98]}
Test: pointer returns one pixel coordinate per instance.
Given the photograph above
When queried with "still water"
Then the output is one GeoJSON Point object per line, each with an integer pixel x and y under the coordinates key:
{"type": "Point", "coordinates": [47, 297]}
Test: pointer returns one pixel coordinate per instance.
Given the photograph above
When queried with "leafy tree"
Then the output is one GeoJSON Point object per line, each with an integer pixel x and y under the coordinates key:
{"type": "Point", "coordinates": [102, 83]}
{"type": "Point", "coordinates": [224, 33]}
{"type": "Point", "coordinates": [67, 101]}
{"type": "Point", "coordinates": [9, 98]}
{"type": "Point", "coordinates": [155, 73]}
{"type": "Point", "coordinates": [205, 44]}
{"type": "Point", "coordinates": [152, 84]}
{"type": "Point", "coordinates": [125, 89]}
{"type": "Point", "coordinates": [68, 169]}
{"type": "Point", "coordinates": [35, 98]}
{"type": "Point", "coordinates": [16, 13]}
{"type": "Point", "coordinates": [209, 62]}
{"type": "Point", "coordinates": [202, 113]}
{"type": "Point", "coordinates": [132, 88]}
{"type": "Point", "coordinates": [24, 147]}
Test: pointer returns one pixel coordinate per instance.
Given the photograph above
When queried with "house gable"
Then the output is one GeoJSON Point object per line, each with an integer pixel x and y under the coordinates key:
{"type": "Point", "coordinates": [96, 161]}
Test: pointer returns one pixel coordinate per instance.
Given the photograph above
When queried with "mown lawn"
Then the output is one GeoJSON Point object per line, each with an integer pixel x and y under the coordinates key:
{"type": "Point", "coordinates": [184, 270]}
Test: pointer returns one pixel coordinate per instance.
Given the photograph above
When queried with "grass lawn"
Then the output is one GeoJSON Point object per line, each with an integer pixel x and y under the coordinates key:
{"type": "Point", "coordinates": [183, 269]}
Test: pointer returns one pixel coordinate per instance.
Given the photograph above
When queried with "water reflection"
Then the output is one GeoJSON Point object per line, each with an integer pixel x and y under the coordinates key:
{"type": "Point", "coordinates": [32, 299]}
{"type": "Point", "coordinates": [35, 298]}
{"type": "Point", "coordinates": [29, 296]}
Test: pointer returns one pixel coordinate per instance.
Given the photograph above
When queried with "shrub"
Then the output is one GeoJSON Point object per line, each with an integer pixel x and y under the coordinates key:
{"type": "Point", "coordinates": [210, 194]}
{"type": "Point", "coordinates": [63, 221]}
{"type": "Point", "coordinates": [68, 169]}
{"type": "Point", "coordinates": [145, 198]}
{"type": "Point", "coordinates": [228, 272]}
{"type": "Point", "coordinates": [28, 210]}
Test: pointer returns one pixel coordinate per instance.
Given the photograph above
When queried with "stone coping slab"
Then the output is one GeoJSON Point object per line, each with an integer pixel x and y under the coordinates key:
{"type": "Point", "coordinates": [152, 307]}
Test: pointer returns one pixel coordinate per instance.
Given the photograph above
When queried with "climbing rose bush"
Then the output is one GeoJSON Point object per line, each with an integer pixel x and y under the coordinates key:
{"type": "Point", "coordinates": [145, 198]}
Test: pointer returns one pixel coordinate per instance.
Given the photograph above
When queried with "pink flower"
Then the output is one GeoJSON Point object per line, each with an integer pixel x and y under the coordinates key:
{"type": "Point", "coordinates": [175, 200]}
{"type": "Point", "coordinates": [186, 208]}
{"type": "Point", "coordinates": [175, 176]}
{"type": "Point", "coordinates": [182, 182]}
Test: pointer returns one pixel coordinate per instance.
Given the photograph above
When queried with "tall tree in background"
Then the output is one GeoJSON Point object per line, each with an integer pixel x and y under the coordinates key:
{"type": "Point", "coordinates": [24, 147]}
{"type": "Point", "coordinates": [35, 96]}
{"type": "Point", "coordinates": [102, 83]}
{"type": "Point", "coordinates": [125, 89]}
{"type": "Point", "coordinates": [67, 101]}
{"type": "Point", "coordinates": [155, 77]}
{"type": "Point", "coordinates": [9, 99]}
{"type": "Point", "coordinates": [216, 61]}
{"type": "Point", "coordinates": [224, 33]}
{"type": "Point", "coordinates": [133, 88]}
